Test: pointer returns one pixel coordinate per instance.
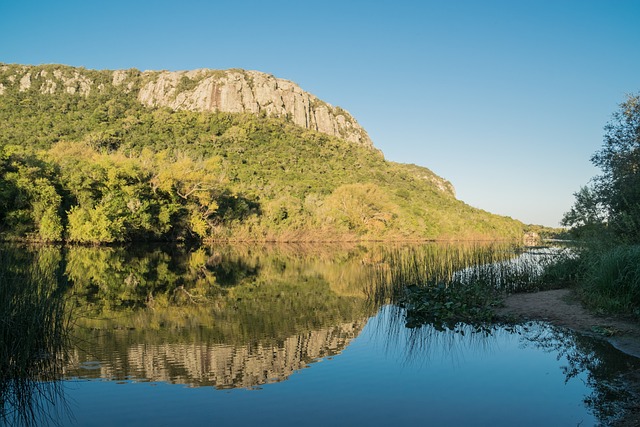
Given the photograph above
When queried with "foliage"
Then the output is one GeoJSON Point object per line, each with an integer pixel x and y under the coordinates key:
{"type": "Point", "coordinates": [141, 173]}
{"type": "Point", "coordinates": [360, 207]}
{"type": "Point", "coordinates": [606, 216]}
{"type": "Point", "coordinates": [619, 159]}
{"type": "Point", "coordinates": [613, 199]}
{"type": "Point", "coordinates": [588, 215]}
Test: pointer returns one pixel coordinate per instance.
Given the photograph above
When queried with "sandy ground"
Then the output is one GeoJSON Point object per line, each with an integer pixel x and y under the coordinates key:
{"type": "Point", "coordinates": [559, 307]}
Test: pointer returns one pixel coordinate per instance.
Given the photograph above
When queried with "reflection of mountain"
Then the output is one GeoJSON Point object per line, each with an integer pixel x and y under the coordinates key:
{"type": "Point", "coordinates": [206, 364]}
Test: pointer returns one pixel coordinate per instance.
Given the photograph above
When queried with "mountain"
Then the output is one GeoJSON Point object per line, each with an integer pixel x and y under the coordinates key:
{"type": "Point", "coordinates": [233, 91]}
{"type": "Point", "coordinates": [110, 156]}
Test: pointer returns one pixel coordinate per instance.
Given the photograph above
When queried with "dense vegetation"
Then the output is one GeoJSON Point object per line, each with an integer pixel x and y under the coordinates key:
{"type": "Point", "coordinates": [100, 167]}
{"type": "Point", "coordinates": [606, 217]}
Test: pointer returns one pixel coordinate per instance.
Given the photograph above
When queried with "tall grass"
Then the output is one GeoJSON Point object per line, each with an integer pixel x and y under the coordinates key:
{"type": "Point", "coordinates": [446, 285]}
{"type": "Point", "coordinates": [609, 279]}
{"type": "Point", "coordinates": [33, 337]}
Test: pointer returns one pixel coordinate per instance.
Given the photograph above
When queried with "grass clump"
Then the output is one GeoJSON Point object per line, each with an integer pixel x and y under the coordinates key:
{"type": "Point", "coordinates": [610, 281]}
{"type": "Point", "coordinates": [605, 276]}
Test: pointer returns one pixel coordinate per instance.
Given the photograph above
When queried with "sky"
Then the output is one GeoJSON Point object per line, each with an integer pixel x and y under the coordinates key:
{"type": "Point", "coordinates": [505, 99]}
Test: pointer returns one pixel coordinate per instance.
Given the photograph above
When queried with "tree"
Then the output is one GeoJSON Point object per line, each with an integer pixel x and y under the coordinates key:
{"type": "Point", "coordinates": [588, 213]}
{"type": "Point", "coordinates": [197, 183]}
{"type": "Point", "coordinates": [360, 207]}
{"type": "Point", "coordinates": [29, 198]}
{"type": "Point", "coordinates": [619, 185]}
{"type": "Point", "coordinates": [613, 200]}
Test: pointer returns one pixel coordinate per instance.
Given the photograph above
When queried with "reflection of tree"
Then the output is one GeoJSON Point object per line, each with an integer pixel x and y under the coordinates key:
{"type": "Point", "coordinates": [226, 316]}
{"type": "Point", "coordinates": [33, 335]}
{"type": "Point", "coordinates": [603, 365]}
{"type": "Point", "coordinates": [236, 294]}
{"type": "Point", "coordinates": [231, 271]}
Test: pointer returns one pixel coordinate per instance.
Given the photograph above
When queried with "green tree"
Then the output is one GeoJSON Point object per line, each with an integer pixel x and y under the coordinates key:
{"type": "Point", "coordinates": [361, 207]}
{"type": "Point", "coordinates": [29, 195]}
{"type": "Point", "coordinates": [588, 214]}
{"type": "Point", "coordinates": [197, 183]}
{"type": "Point", "coordinates": [617, 190]}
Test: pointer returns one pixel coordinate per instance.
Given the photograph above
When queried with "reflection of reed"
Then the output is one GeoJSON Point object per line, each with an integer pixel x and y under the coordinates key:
{"type": "Point", "coordinates": [205, 364]}
{"type": "Point", "coordinates": [425, 343]}
{"type": "Point", "coordinates": [33, 337]}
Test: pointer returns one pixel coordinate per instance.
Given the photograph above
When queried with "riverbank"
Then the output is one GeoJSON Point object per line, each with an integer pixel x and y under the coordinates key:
{"type": "Point", "coordinates": [560, 307]}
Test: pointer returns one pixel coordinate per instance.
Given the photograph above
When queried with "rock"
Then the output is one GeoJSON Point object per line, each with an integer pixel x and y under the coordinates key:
{"type": "Point", "coordinates": [237, 91]}
{"type": "Point", "coordinates": [233, 91]}
{"type": "Point", "coordinates": [25, 82]}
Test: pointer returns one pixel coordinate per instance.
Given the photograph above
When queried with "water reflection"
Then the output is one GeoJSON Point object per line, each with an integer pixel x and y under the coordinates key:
{"type": "Point", "coordinates": [221, 316]}
{"type": "Point", "coordinates": [127, 355]}
{"type": "Point", "coordinates": [604, 366]}
{"type": "Point", "coordinates": [597, 363]}
{"type": "Point", "coordinates": [245, 317]}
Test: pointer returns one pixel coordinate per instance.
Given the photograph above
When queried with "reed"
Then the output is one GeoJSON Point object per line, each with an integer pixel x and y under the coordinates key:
{"type": "Point", "coordinates": [33, 337]}
{"type": "Point", "coordinates": [447, 285]}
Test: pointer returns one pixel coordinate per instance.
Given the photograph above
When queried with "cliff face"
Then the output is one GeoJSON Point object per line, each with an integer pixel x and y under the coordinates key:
{"type": "Point", "coordinates": [238, 91]}
{"type": "Point", "coordinates": [232, 91]}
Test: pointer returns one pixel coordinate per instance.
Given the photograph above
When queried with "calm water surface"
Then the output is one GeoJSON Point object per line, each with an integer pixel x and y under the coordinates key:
{"type": "Point", "coordinates": [287, 336]}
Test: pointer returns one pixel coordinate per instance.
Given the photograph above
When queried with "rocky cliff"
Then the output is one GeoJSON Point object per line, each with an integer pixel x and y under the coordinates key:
{"type": "Point", "coordinates": [198, 90]}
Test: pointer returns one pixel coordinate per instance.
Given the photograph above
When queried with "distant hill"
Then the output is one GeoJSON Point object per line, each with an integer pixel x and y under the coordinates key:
{"type": "Point", "coordinates": [117, 156]}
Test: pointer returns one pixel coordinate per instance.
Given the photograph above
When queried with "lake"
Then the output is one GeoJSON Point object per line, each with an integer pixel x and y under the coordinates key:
{"type": "Point", "coordinates": [280, 335]}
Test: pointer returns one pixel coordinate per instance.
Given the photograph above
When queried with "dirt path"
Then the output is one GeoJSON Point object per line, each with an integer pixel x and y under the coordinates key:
{"type": "Point", "coordinates": [559, 307]}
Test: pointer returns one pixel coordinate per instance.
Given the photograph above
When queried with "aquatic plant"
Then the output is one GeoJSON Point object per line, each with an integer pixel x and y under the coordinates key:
{"type": "Point", "coordinates": [446, 285]}
{"type": "Point", "coordinates": [33, 336]}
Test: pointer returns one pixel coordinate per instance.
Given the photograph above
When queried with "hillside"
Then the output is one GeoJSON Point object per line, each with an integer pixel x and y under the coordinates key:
{"type": "Point", "coordinates": [116, 156]}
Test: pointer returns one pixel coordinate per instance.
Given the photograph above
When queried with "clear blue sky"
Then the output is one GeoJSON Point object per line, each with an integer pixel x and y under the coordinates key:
{"type": "Point", "coordinates": [506, 99]}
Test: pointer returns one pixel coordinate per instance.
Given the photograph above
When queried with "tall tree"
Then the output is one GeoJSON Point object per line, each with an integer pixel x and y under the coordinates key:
{"type": "Point", "coordinates": [619, 159]}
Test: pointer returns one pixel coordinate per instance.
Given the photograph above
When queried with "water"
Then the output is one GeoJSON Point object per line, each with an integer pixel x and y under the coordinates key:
{"type": "Point", "coordinates": [287, 336]}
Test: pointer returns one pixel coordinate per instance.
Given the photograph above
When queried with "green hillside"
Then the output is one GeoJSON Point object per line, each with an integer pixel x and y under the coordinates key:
{"type": "Point", "coordinates": [100, 167]}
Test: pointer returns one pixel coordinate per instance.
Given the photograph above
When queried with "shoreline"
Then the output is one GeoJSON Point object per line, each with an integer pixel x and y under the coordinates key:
{"type": "Point", "coordinates": [560, 307]}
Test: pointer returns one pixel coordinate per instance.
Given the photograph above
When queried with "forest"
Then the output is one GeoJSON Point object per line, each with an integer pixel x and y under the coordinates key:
{"type": "Point", "coordinates": [102, 168]}
{"type": "Point", "coordinates": [605, 219]}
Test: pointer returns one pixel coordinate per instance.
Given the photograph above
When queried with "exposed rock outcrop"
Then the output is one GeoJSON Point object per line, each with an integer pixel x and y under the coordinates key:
{"type": "Point", "coordinates": [234, 91]}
